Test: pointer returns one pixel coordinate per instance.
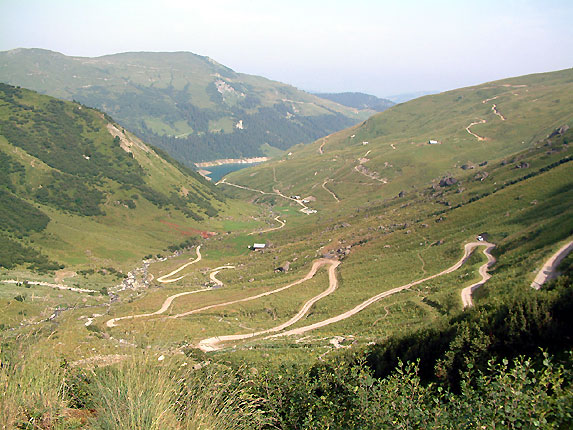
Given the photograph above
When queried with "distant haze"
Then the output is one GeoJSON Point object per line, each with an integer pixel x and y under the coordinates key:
{"type": "Point", "coordinates": [373, 46]}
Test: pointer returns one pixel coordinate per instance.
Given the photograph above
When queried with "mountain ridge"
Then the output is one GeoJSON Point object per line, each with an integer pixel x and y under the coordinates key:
{"type": "Point", "coordinates": [190, 105]}
{"type": "Point", "coordinates": [358, 100]}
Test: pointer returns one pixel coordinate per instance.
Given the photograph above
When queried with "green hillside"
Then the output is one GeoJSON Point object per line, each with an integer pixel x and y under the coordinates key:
{"type": "Point", "coordinates": [351, 316]}
{"type": "Point", "coordinates": [77, 190]}
{"type": "Point", "coordinates": [358, 100]}
{"type": "Point", "coordinates": [191, 106]}
{"type": "Point", "coordinates": [390, 152]}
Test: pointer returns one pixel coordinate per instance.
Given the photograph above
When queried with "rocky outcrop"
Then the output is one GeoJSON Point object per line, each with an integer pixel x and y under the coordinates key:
{"type": "Point", "coordinates": [559, 131]}
{"type": "Point", "coordinates": [448, 181]}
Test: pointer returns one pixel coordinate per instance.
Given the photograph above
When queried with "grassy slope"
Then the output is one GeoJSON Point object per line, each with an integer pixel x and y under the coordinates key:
{"type": "Point", "coordinates": [531, 111]}
{"type": "Point", "coordinates": [119, 236]}
{"type": "Point", "coordinates": [394, 240]}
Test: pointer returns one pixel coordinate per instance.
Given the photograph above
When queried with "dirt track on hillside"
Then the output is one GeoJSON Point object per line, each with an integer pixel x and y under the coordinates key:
{"type": "Point", "coordinates": [277, 218]}
{"type": "Point", "coordinates": [211, 344]}
{"type": "Point", "coordinates": [216, 270]}
{"type": "Point", "coordinates": [468, 249]}
{"type": "Point", "coordinates": [321, 148]}
{"type": "Point", "coordinates": [468, 291]}
{"type": "Point", "coordinates": [275, 192]}
{"type": "Point", "coordinates": [308, 276]}
{"type": "Point", "coordinates": [180, 268]}
{"type": "Point", "coordinates": [481, 121]}
{"type": "Point", "coordinates": [330, 192]}
{"type": "Point", "coordinates": [166, 304]}
{"type": "Point", "coordinates": [549, 269]}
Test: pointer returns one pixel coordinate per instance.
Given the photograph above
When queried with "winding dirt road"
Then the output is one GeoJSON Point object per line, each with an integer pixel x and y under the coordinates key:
{"type": "Point", "coordinates": [275, 192]}
{"type": "Point", "coordinates": [162, 309]}
{"type": "Point", "coordinates": [315, 266]}
{"type": "Point", "coordinates": [497, 112]}
{"type": "Point", "coordinates": [369, 174]}
{"type": "Point", "coordinates": [179, 269]}
{"type": "Point", "coordinates": [272, 228]}
{"type": "Point", "coordinates": [224, 182]}
{"type": "Point", "coordinates": [308, 276]}
{"type": "Point", "coordinates": [549, 269]}
{"type": "Point", "coordinates": [330, 192]}
{"type": "Point", "coordinates": [216, 270]}
{"type": "Point", "coordinates": [167, 303]}
{"type": "Point", "coordinates": [487, 100]}
{"type": "Point", "coordinates": [468, 249]}
{"type": "Point", "coordinates": [481, 121]}
{"type": "Point", "coordinates": [320, 149]}
{"type": "Point", "coordinates": [212, 343]}
{"type": "Point", "coordinates": [468, 291]}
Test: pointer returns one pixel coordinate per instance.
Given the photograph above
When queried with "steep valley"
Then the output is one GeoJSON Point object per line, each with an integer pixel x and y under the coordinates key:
{"type": "Point", "coordinates": [345, 254]}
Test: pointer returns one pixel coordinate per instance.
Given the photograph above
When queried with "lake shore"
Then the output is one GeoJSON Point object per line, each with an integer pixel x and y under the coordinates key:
{"type": "Point", "coordinates": [232, 161]}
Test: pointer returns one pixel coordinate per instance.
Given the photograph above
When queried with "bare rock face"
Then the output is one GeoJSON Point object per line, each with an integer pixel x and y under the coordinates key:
{"type": "Point", "coordinates": [284, 268]}
{"type": "Point", "coordinates": [559, 131]}
{"type": "Point", "coordinates": [448, 181]}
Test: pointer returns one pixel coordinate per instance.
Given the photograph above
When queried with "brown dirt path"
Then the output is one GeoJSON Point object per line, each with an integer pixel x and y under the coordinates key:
{"type": "Point", "coordinates": [163, 279]}
{"type": "Point", "coordinates": [468, 249]}
{"type": "Point", "coordinates": [212, 343]}
{"type": "Point", "coordinates": [330, 192]}
{"type": "Point", "coordinates": [468, 291]}
{"type": "Point", "coordinates": [481, 121]}
{"type": "Point", "coordinates": [277, 218]}
{"type": "Point", "coordinates": [308, 276]}
{"type": "Point", "coordinates": [549, 269]}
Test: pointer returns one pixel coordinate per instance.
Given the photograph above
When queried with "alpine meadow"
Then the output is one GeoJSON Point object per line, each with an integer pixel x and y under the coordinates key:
{"type": "Point", "coordinates": [381, 266]}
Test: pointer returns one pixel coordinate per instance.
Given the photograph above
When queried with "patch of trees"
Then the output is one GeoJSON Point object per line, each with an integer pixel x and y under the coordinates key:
{"type": "Point", "coordinates": [70, 193]}
{"type": "Point", "coordinates": [8, 166]}
{"type": "Point", "coordinates": [183, 245]}
{"type": "Point", "coordinates": [70, 140]}
{"type": "Point", "coordinates": [67, 138]}
{"type": "Point", "coordinates": [268, 125]}
{"type": "Point", "coordinates": [13, 254]}
{"type": "Point", "coordinates": [20, 217]}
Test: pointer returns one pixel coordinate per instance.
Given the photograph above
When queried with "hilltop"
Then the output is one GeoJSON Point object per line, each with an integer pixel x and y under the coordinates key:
{"type": "Point", "coordinates": [189, 105]}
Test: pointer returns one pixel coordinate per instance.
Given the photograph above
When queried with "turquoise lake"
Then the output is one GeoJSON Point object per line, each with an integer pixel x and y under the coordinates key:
{"type": "Point", "coordinates": [217, 172]}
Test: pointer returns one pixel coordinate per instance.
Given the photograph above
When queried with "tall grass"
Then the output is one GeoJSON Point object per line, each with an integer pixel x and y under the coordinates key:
{"type": "Point", "coordinates": [142, 393]}
{"type": "Point", "coordinates": [32, 391]}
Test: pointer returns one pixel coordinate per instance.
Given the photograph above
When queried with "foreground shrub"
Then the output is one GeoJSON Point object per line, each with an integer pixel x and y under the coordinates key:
{"type": "Point", "coordinates": [504, 396]}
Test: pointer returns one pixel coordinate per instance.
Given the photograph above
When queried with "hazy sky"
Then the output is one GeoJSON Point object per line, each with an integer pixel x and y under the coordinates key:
{"type": "Point", "coordinates": [375, 46]}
